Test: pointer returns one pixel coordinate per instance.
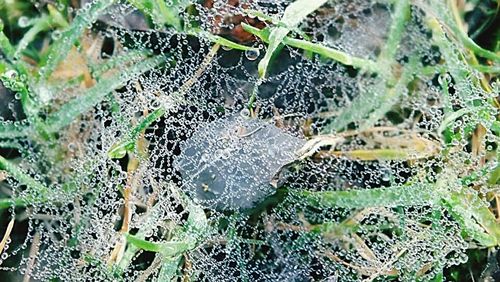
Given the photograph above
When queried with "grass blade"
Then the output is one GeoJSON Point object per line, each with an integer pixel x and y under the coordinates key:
{"type": "Point", "coordinates": [119, 150]}
{"type": "Point", "coordinates": [322, 50]}
{"type": "Point", "coordinates": [61, 47]}
{"type": "Point", "coordinates": [71, 110]}
{"type": "Point", "coordinates": [292, 16]}
{"type": "Point", "coordinates": [401, 15]}
{"type": "Point", "coordinates": [413, 195]}
{"type": "Point", "coordinates": [41, 24]}
{"type": "Point", "coordinates": [40, 190]}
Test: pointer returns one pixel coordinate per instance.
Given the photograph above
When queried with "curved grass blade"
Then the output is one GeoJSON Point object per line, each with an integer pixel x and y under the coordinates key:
{"type": "Point", "coordinates": [41, 24]}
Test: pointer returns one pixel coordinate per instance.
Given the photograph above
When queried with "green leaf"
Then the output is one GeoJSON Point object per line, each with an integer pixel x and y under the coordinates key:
{"type": "Point", "coordinates": [293, 15]}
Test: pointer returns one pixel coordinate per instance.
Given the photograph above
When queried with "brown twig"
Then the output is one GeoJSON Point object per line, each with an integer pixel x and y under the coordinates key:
{"type": "Point", "coordinates": [6, 235]}
{"type": "Point", "coordinates": [35, 245]}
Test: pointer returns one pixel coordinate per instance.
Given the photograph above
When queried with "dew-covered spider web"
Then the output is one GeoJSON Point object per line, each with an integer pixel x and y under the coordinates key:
{"type": "Point", "coordinates": [249, 141]}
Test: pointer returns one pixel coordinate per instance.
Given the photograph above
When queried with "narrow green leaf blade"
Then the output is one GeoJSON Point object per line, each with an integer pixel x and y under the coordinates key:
{"type": "Point", "coordinates": [293, 15]}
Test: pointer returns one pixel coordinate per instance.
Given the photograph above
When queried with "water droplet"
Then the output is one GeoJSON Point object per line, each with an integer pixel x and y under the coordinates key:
{"type": "Point", "coordinates": [245, 113]}
{"type": "Point", "coordinates": [56, 34]}
{"type": "Point", "coordinates": [252, 54]}
{"type": "Point", "coordinates": [23, 22]}
{"type": "Point", "coordinates": [444, 78]}
{"type": "Point", "coordinates": [10, 74]}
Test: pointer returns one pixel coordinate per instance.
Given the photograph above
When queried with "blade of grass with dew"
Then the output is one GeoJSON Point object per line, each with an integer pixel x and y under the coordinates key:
{"type": "Point", "coordinates": [10, 130]}
{"type": "Point", "coordinates": [169, 268]}
{"type": "Point", "coordinates": [5, 46]}
{"type": "Point", "coordinates": [386, 154]}
{"type": "Point", "coordinates": [391, 96]}
{"type": "Point", "coordinates": [14, 81]}
{"type": "Point", "coordinates": [407, 195]}
{"type": "Point", "coordinates": [40, 24]}
{"type": "Point", "coordinates": [57, 17]}
{"type": "Point", "coordinates": [220, 40]}
{"type": "Point", "coordinates": [61, 47]}
{"type": "Point", "coordinates": [119, 149]}
{"type": "Point", "coordinates": [400, 15]}
{"type": "Point", "coordinates": [458, 71]}
{"type": "Point", "coordinates": [132, 56]}
{"type": "Point", "coordinates": [494, 176]}
{"type": "Point", "coordinates": [23, 78]}
{"type": "Point", "coordinates": [293, 15]}
{"type": "Point", "coordinates": [74, 108]}
{"type": "Point", "coordinates": [359, 108]}
{"type": "Point", "coordinates": [194, 230]}
{"type": "Point", "coordinates": [371, 106]}
{"type": "Point", "coordinates": [451, 22]}
{"type": "Point", "coordinates": [150, 221]}
{"type": "Point", "coordinates": [461, 212]}
{"type": "Point", "coordinates": [160, 12]}
{"type": "Point", "coordinates": [168, 249]}
{"type": "Point", "coordinates": [14, 171]}
{"type": "Point", "coordinates": [495, 69]}
{"type": "Point", "coordinates": [322, 50]}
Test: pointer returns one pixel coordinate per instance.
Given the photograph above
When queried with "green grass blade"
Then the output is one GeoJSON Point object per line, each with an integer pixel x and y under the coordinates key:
{"type": "Point", "coordinates": [322, 50]}
{"type": "Point", "coordinates": [74, 108]}
{"type": "Point", "coordinates": [118, 61]}
{"type": "Point", "coordinates": [461, 34]}
{"type": "Point", "coordinates": [401, 15]}
{"type": "Point", "coordinates": [293, 15]}
{"type": "Point", "coordinates": [360, 107]}
{"type": "Point", "coordinates": [474, 219]}
{"type": "Point", "coordinates": [120, 148]}
{"type": "Point", "coordinates": [169, 249]}
{"type": "Point", "coordinates": [62, 46]}
{"type": "Point", "coordinates": [40, 190]}
{"type": "Point", "coordinates": [11, 130]}
{"type": "Point", "coordinates": [5, 46]}
{"type": "Point", "coordinates": [412, 195]}
{"type": "Point", "coordinates": [41, 24]}
{"type": "Point", "coordinates": [220, 40]}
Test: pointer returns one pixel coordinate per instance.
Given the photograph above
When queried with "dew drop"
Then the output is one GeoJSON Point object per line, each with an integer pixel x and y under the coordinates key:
{"type": "Point", "coordinates": [252, 54]}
